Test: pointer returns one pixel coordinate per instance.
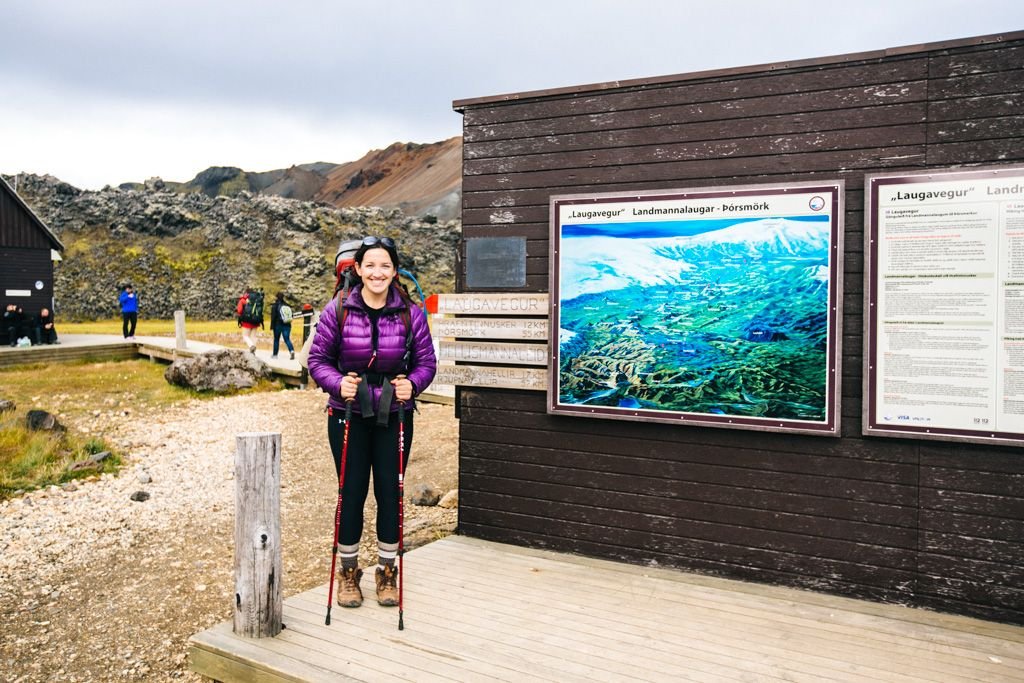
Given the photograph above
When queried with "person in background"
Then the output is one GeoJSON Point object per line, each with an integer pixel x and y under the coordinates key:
{"type": "Point", "coordinates": [374, 350]}
{"type": "Point", "coordinates": [46, 333]}
{"type": "Point", "coordinates": [281, 324]}
{"type": "Point", "coordinates": [248, 327]}
{"type": "Point", "coordinates": [129, 311]}
{"type": "Point", "coordinates": [14, 321]}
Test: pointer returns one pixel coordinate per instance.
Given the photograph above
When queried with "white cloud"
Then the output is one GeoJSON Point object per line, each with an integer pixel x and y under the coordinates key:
{"type": "Point", "coordinates": [91, 141]}
{"type": "Point", "coordinates": [109, 90]}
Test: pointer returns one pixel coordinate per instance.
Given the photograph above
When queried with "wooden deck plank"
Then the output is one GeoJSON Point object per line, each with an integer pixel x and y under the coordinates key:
{"type": "Point", "coordinates": [689, 639]}
{"type": "Point", "coordinates": [705, 638]}
{"type": "Point", "coordinates": [485, 606]}
{"type": "Point", "coordinates": [496, 605]}
{"type": "Point", "coordinates": [1009, 654]}
{"type": "Point", "coordinates": [477, 611]}
{"type": "Point", "coordinates": [595, 646]}
{"type": "Point", "coordinates": [373, 638]}
{"type": "Point", "coordinates": [544, 663]}
{"type": "Point", "coordinates": [887, 619]}
{"type": "Point", "coordinates": [812, 623]}
{"type": "Point", "coordinates": [245, 659]}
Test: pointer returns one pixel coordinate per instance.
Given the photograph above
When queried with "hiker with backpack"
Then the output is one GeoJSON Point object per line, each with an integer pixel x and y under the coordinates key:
{"type": "Point", "coordinates": [250, 316]}
{"type": "Point", "coordinates": [281, 324]}
{"type": "Point", "coordinates": [373, 353]}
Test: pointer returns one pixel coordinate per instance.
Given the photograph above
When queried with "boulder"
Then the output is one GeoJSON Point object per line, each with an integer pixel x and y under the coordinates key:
{"type": "Point", "coordinates": [449, 500]}
{"type": "Point", "coordinates": [425, 494]}
{"type": "Point", "coordinates": [221, 370]}
{"type": "Point", "coordinates": [42, 421]}
{"type": "Point", "coordinates": [6, 405]}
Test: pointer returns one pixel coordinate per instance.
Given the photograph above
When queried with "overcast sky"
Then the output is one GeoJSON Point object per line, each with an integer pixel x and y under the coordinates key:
{"type": "Point", "coordinates": [106, 91]}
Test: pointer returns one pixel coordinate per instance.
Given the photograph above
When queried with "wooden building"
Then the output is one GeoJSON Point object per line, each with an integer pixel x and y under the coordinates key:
{"type": "Point", "coordinates": [924, 523]}
{"type": "Point", "coordinates": [27, 249]}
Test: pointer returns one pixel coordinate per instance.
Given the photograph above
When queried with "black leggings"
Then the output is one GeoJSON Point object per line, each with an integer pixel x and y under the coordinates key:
{"type": "Point", "coordinates": [369, 447]}
{"type": "Point", "coordinates": [128, 321]}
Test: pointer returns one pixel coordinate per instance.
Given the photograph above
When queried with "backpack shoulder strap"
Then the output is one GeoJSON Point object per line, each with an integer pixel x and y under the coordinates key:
{"type": "Point", "coordinates": [406, 314]}
{"type": "Point", "coordinates": [342, 314]}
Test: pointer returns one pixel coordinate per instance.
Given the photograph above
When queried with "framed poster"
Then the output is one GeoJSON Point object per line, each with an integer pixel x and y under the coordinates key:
{"type": "Point", "coordinates": [717, 307]}
{"type": "Point", "coordinates": [944, 305]}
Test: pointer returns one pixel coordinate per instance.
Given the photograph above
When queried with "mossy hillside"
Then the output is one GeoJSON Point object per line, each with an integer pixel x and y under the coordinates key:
{"type": "Point", "coordinates": [198, 253]}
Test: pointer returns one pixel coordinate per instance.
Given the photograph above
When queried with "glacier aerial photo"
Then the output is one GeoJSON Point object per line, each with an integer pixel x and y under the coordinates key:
{"type": "Point", "coordinates": [721, 317]}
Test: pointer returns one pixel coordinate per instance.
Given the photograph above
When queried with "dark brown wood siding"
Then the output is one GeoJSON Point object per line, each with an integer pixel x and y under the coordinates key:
{"type": "Point", "coordinates": [20, 271]}
{"type": "Point", "coordinates": [18, 227]}
{"type": "Point", "coordinates": [897, 520]}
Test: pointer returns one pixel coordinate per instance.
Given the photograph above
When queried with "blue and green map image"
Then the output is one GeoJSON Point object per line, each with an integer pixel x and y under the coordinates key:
{"type": "Point", "coordinates": [717, 317]}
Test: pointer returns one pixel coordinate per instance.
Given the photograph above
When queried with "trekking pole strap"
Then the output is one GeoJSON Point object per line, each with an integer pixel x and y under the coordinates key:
{"type": "Point", "coordinates": [387, 396]}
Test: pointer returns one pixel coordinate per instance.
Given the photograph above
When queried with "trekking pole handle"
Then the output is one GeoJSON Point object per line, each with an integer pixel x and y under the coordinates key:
{"type": "Point", "coordinates": [401, 403]}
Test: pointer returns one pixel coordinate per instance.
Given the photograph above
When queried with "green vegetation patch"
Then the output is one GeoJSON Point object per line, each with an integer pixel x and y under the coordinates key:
{"type": "Point", "coordinates": [153, 327]}
{"type": "Point", "coordinates": [32, 460]}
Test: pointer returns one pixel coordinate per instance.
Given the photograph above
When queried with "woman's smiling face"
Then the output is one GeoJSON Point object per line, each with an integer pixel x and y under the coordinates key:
{"type": "Point", "coordinates": [376, 271]}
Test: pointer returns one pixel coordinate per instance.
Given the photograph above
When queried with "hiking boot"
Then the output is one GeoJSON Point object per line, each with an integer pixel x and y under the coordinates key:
{"type": "Point", "coordinates": [273, 355]}
{"type": "Point", "coordinates": [349, 592]}
{"type": "Point", "coordinates": [291, 355]}
{"type": "Point", "coordinates": [387, 586]}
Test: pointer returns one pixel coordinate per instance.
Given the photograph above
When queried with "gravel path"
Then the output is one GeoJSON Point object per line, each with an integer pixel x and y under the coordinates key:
{"type": "Point", "coordinates": [97, 587]}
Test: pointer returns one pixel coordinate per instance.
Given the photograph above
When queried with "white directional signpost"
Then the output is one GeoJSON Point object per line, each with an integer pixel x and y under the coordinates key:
{"type": "Point", "coordinates": [513, 345]}
{"type": "Point", "coordinates": [490, 328]}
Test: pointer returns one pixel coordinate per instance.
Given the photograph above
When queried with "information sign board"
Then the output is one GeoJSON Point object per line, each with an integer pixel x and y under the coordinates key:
{"type": "Point", "coordinates": [490, 352]}
{"type": "Point", "coordinates": [944, 305]}
{"type": "Point", "coordinates": [718, 306]}
{"type": "Point", "coordinates": [490, 328]}
{"type": "Point", "coordinates": [484, 376]}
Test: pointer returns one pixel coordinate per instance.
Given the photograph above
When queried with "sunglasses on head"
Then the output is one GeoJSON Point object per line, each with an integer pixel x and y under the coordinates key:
{"type": "Point", "coordinates": [374, 241]}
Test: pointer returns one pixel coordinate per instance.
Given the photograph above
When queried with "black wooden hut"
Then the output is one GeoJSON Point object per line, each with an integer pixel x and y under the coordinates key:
{"type": "Point", "coordinates": [925, 523]}
{"type": "Point", "coordinates": [27, 249]}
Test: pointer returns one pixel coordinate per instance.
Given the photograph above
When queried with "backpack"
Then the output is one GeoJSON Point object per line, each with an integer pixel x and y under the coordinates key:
{"type": "Point", "coordinates": [285, 313]}
{"type": "Point", "coordinates": [252, 311]}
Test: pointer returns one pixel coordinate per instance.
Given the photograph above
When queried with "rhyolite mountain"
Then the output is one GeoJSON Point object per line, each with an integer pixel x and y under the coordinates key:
{"type": "Point", "coordinates": [419, 179]}
{"type": "Point", "coordinates": [192, 251]}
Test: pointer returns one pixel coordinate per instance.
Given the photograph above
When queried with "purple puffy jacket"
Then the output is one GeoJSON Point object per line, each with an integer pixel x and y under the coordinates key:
{"type": "Point", "coordinates": [330, 357]}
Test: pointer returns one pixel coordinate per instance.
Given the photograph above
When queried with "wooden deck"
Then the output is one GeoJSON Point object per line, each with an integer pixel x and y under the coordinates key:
{"type": "Point", "coordinates": [480, 611]}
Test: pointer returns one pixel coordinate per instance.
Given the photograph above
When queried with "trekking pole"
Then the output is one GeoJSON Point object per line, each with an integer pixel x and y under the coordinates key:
{"type": "Point", "coordinates": [401, 508]}
{"type": "Point", "coordinates": [337, 512]}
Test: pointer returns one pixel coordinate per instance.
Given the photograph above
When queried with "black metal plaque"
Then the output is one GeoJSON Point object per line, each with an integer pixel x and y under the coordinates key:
{"type": "Point", "coordinates": [495, 262]}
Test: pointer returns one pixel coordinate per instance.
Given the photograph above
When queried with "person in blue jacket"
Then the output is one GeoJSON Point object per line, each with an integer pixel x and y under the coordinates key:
{"type": "Point", "coordinates": [129, 311]}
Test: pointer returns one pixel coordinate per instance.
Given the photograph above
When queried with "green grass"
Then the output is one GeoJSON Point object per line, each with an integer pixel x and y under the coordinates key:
{"type": "Point", "coordinates": [32, 460]}
{"type": "Point", "coordinates": [152, 328]}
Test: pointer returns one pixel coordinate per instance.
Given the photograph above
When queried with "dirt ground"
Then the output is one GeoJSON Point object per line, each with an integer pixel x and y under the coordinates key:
{"type": "Point", "coordinates": [97, 587]}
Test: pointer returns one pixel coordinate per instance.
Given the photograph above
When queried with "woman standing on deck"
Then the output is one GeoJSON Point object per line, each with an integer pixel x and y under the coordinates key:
{"type": "Point", "coordinates": [375, 350]}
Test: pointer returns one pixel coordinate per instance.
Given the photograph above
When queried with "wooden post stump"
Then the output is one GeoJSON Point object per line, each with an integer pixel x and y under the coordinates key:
{"type": "Point", "coordinates": [258, 595]}
{"type": "Point", "coordinates": [179, 330]}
